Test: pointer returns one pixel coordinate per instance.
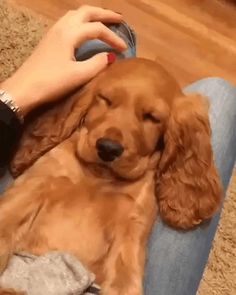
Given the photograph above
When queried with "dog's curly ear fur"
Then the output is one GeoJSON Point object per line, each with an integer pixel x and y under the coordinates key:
{"type": "Point", "coordinates": [188, 186]}
{"type": "Point", "coordinates": [49, 127]}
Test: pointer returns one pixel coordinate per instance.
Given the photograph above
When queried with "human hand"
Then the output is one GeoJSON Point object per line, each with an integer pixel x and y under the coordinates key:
{"type": "Point", "coordinates": [52, 71]}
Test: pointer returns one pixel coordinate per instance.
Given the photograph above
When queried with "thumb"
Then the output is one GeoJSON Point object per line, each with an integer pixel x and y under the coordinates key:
{"type": "Point", "coordinates": [91, 67]}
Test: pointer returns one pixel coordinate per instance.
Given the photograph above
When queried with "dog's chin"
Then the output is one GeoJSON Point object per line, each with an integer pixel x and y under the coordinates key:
{"type": "Point", "coordinates": [116, 168]}
{"type": "Point", "coordinates": [118, 171]}
{"type": "Point", "coordinates": [132, 173]}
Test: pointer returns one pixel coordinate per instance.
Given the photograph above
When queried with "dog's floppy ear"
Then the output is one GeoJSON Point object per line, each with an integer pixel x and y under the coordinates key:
{"type": "Point", "coordinates": [188, 186]}
{"type": "Point", "coordinates": [48, 128]}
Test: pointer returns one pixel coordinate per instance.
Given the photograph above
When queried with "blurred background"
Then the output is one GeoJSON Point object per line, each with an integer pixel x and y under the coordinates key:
{"type": "Point", "coordinates": [192, 38]}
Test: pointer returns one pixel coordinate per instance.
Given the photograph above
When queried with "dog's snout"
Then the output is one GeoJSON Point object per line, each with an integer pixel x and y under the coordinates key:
{"type": "Point", "coordinates": [108, 150]}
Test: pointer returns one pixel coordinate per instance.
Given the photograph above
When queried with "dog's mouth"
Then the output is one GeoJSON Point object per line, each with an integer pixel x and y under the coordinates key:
{"type": "Point", "coordinates": [106, 157]}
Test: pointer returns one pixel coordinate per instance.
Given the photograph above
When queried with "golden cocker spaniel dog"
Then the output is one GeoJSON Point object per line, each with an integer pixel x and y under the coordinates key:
{"type": "Point", "coordinates": [105, 162]}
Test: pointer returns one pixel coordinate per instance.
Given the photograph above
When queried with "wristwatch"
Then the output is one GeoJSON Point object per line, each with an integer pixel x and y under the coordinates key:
{"type": "Point", "coordinates": [11, 125]}
{"type": "Point", "coordinates": [7, 100]}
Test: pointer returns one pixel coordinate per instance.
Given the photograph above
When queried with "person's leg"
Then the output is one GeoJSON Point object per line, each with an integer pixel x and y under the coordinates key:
{"type": "Point", "coordinates": [92, 47]}
{"type": "Point", "coordinates": [176, 260]}
{"type": "Point", "coordinates": [5, 181]}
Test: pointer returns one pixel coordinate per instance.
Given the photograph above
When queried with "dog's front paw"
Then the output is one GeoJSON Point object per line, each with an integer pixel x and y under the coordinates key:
{"type": "Point", "coordinates": [121, 291]}
{"type": "Point", "coordinates": [4, 258]}
{"type": "Point", "coordinates": [10, 292]}
{"type": "Point", "coordinates": [5, 254]}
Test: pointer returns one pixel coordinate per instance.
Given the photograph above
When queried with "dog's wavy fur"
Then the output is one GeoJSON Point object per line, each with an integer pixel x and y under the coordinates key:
{"type": "Point", "coordinates": [69, 200]}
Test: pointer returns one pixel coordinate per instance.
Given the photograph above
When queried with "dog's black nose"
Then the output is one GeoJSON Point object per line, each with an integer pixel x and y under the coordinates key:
{"type": "Point", "coordinates": [108, 150]}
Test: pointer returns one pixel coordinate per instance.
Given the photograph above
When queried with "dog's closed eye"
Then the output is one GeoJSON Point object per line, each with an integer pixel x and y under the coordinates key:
{"type": "Point", "coordinates": [151, 117]}
{"type": "Point", "coordinates": [105, 99]}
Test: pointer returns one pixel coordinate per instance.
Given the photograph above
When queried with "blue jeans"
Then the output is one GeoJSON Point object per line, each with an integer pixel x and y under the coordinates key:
{"type": "Point", "coordinates": [176, 260]}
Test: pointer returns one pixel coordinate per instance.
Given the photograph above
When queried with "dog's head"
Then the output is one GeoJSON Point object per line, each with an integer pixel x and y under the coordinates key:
{"type": "Point", "coordinates": [131, 117]}
{"type": "Point", "coordinates": [125, 123]}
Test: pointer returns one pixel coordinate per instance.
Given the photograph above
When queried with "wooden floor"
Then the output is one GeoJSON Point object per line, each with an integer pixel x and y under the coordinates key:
{"type": "Point", "coordinates": [191, 38]}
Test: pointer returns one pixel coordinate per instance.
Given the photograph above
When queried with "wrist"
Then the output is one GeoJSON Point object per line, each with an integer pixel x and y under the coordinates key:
{"type": "Point", "coordinates": [21, 95]}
